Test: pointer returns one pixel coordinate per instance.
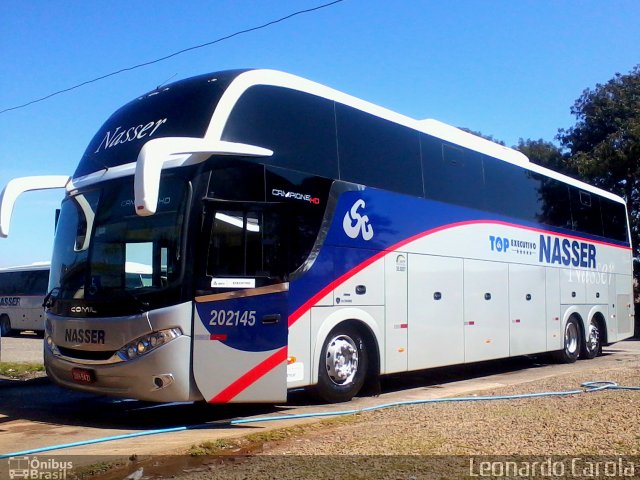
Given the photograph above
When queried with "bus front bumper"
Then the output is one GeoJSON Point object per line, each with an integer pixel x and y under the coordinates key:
{"type": "Point", "coordinates": [162, 375]}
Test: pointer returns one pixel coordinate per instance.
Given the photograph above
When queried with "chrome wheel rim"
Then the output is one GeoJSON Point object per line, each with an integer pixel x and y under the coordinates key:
{"type": "Point", "coordinates": [342, 360]}
{"type": "Point", "coordinates": [594, 337]}
{"type": "Point", "coordinates": [571, 338]}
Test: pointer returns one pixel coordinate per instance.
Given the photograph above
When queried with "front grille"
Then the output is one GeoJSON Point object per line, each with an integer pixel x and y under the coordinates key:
{"type": "Point", "coordinates": [86, 354]}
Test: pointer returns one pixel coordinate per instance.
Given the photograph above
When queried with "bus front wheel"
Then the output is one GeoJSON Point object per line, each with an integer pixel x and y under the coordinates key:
{"type": "Point", "coordinates": [343, 365]}
{"type": "Point", "coordinates": [5, 326]}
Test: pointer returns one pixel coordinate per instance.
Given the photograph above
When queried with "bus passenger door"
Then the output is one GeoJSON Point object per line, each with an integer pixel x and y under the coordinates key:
{"type": "Point", "coordinates": [241, 304]}
{"type": "Point", "coordinates": [240, 345]}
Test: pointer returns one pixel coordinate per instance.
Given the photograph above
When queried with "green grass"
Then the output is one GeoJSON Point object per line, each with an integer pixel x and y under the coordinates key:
{"type": "Point", "coordinates": [252, 442]}
{"type": "Point", "coordinates": [213, 447]}
{"type": "Point", "coordinates": [20, 371]}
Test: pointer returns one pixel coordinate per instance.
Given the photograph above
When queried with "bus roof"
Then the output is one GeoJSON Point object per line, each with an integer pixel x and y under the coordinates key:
{"type": "Point", "coordinates": [233, 84]}
{"type": "Point", "coordinates": [27, 268]}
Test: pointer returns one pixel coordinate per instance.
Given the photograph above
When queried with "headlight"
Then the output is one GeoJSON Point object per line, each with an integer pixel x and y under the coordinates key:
{"type": "Point", "coordinates": [143, 345]}
{"type": "Point", "coordinates": [52, 346]}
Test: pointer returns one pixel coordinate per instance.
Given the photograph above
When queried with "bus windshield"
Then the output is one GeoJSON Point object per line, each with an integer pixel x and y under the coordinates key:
{"type": "Point", "coordinates": [104, 251]}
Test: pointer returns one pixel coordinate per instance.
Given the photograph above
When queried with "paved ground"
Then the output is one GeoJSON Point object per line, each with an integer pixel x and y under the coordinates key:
{"type": "Point", "coordinates": [38, 414]}
{"type": "Point", "coordinates": [22, 347]}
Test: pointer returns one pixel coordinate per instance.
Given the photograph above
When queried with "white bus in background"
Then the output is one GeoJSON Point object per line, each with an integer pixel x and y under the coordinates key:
{"type": "Point", "coordinates": [138, 275]}
{"type": "Point", "coordinates": [22, 291]}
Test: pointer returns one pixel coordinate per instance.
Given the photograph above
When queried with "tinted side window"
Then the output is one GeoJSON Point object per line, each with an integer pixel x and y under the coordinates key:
{"type": "Point", "coordinates": [555, 206]}
{"type": "Point", "coordinates": [451, 173]}
{"type": "Point", "coordinates": [41, 282]}
{"type": "Point", "coordinates": [8, 283]}
{"type": "Point", "coordinates": [585, 210]}
{"type": "Point", "coordinates": [28, 283]}
{"type": "Point", "coordinates": [246, 242]}
{"type": "Point", "coordinates": [614, 219]}
{"type": "Point", "coordinates": [298, 127]}
{"type": "Point", "coordinates": [237, 180]}
{"type": "Point", "coordinates": [377, 152]}
{"type": "Point", "coordinates": [22, 282]}
{"type": "Point", "coordinates": [511, 190]}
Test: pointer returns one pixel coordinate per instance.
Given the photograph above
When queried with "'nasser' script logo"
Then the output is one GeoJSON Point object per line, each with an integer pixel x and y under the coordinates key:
{"type": "Point", "coordinates": [124, 135]}
{"type": "Point", "coordinates": [355, 224]}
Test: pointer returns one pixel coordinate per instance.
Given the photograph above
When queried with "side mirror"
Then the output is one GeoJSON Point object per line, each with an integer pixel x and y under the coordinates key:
{"type": "Point", "coordinates": [178, 151]}
{"type": "Point", "coordinates": [17, 187]}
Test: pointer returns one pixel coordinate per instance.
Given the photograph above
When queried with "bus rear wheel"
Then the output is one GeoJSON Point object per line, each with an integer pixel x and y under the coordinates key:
{"type": "Point", "coordinates": [572, 342]}
{"type": "Point", "coordinates": [592, 346]}
{"type": "Point", "coordinates": [5, 326]}
{"type": "Point", "coordinates": [343, 365]}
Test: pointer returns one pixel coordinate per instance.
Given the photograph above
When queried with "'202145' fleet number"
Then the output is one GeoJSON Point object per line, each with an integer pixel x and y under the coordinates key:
{"type": "Point", "coordinates": [233, 318]}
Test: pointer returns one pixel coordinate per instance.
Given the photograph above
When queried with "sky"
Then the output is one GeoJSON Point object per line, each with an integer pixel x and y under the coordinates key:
{"type": "Point", "coordinates": [510, 69]}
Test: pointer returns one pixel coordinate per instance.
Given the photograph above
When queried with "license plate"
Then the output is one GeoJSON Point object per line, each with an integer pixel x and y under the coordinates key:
{"type": "Point", "coordinates": [82, 375]}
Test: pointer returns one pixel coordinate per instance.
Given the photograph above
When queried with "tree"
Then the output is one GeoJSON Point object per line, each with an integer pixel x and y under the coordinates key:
{"type": "Point", "coordinates": [604, 144]}
{"type": "Point", "coordinates": [546, 154]}
{"type": "Point", "coordinates": [480, 134]}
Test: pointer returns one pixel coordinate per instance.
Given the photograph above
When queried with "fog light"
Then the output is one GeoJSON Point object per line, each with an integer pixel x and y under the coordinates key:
{"type": "Point", "coordinates": [51, 345]}
{"type": "Point", "coordinates": [162, 381]}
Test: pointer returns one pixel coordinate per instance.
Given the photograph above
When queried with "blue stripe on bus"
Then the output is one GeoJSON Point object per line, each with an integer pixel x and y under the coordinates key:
{"type": "Point", "coordinates": [251, 324]}
{"type": "Point", "coordinates": [395, 219]}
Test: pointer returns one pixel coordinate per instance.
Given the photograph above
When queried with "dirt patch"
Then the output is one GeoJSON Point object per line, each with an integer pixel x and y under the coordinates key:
{"type": "Point", "coordinates": [597, 423]}
{"type": "Point", "coordinates": [415, 441]}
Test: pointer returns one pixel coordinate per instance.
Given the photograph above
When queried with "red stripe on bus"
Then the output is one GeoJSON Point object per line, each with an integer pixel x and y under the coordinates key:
{"type": "Point", "coordinates": [251, 377]}
{"type": "Point", "coordinates": [306, 306]}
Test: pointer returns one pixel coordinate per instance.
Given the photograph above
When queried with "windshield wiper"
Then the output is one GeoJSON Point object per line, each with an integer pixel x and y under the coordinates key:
{"type": "Point", "coordinates": [49, 299]}
{"type": "Point", "coordinates": [142, 305]}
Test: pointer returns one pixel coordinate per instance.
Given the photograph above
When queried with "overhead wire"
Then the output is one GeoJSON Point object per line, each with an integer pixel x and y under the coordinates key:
{"type": "Point", "coordinates": [174, 54]}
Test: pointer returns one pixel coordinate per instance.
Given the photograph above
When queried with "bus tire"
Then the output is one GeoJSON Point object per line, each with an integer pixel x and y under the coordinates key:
{"type": "Point", "coordinates": [5, 326]}
{"type": "Point", "coordinates": [592, 345]}
{"type": "Point", "coordinates": [572, 341]}
{"type": "Point", "coordinates": [343, 365]}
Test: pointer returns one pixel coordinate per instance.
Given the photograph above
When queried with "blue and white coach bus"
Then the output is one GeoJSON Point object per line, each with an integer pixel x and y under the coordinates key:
{"type": "Point", "coordinates": [297, 236]}
{"type": "Point", "coordinates": [22, 290]}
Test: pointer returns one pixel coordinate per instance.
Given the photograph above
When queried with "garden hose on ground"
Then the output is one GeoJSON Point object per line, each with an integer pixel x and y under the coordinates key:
{"type": "Point", "coordinates": [588, 387]}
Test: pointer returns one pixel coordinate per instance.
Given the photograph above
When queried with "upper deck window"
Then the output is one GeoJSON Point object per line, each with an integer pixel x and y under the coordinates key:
{"type": "Point", "coordinates": [179, 109]}
{"type": "Point", "coordinates": [297, 126]}
{"type": "Point", "coordinates": [378, 153]}
{"type": "Point", "coordinates": [452, 174]}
